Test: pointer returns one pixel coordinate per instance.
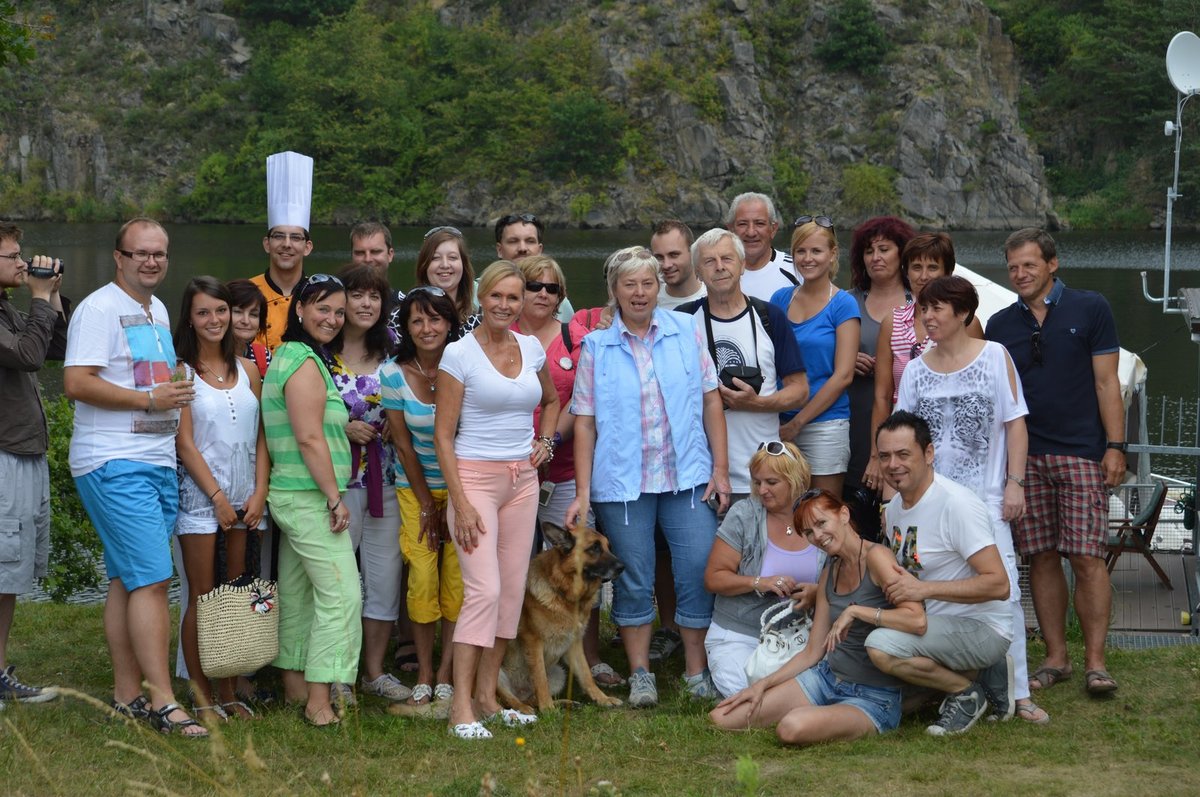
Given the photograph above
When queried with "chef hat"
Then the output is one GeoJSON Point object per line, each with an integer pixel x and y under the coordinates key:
{"type": "Point", "coordinates": [289, 189]}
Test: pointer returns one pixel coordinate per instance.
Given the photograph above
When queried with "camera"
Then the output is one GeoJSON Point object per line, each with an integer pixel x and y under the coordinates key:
{"type": "Point", "coordinates": [45, 273]}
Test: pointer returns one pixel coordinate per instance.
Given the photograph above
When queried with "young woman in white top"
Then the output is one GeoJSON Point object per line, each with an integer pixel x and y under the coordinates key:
{"type": "Point", "coordinates": [488, 386]}
{"type": "Point", "coordinates": [223, 471]}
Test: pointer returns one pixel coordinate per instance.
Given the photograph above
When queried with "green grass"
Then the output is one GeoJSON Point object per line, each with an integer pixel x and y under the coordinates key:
{"type": "Point", "coordinates": [1142, 742]}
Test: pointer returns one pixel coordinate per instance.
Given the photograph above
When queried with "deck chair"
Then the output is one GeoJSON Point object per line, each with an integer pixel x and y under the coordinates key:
{"type": "Point", "coordinates": [1135, 533]}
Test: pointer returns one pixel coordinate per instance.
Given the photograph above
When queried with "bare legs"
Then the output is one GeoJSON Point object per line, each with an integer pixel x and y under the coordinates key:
{"type": "Point", "coordinates": [796, 721]}
{"type": "Point", "coordinates": [476, 676]}
{"type": "Point", "coordinates": [1093, 605]}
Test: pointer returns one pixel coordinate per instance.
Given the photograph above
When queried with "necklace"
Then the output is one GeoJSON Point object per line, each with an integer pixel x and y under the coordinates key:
{"type": "Point", "coordinates": [430, 379]}
{"type": "Point", "coordinates": [208, 371]}
{"type": "Point", "coordinates": [789, 531]}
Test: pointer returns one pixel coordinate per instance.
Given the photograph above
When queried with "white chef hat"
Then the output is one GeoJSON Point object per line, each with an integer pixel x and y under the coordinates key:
{"type": "Point", "coordinates": [289, 189]}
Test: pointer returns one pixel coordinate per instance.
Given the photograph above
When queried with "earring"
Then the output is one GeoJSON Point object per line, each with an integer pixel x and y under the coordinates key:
{"type": "Point", "coordinates": [299, 318]}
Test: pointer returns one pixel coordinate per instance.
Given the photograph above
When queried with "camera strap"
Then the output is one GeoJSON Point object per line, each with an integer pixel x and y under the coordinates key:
{"type": "Point", "coordinates": [712, 341]}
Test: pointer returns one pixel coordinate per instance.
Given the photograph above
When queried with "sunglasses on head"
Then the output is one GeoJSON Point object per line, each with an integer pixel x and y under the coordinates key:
{"type": "Point", "coordinates": [457, 233]}
{"type": "Point", "coordinates": [820, 221]}
{"type": "Point", "coordinates": [775, 448]}
{"type": "Point", "coordinates": [513, 218]}
{"type": "Point", "coordinates": [432, 290]}
{"type": "Point", "coordinates": [552, 288]}
{"type": "Point", "coordinates": [319, 279]}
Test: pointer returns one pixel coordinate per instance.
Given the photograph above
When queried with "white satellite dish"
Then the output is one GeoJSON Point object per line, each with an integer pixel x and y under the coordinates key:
{"type": "Point", "coordinates": [1183, 62]}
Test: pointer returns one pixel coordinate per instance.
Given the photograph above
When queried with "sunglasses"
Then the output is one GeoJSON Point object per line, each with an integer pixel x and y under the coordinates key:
{"type": "Point", "coordinates": [552, 288]}
{"type": "Point", "coordinates": [513, 218]}
{"type": "Point", "coordinates": [432, 290]}
{"type": "Point", "coordinates": [318, 279]}
{"type": "Point", "coordinates": [820, 221]}
{"type": "Point", "coordinates": [457, 233]}
{"type": "Point", "coordinates": [1036, 340]}
{"type": "Point", "coordinates": [775, 449]}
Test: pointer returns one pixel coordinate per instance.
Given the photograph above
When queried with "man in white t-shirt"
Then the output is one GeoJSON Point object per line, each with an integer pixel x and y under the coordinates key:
{"type": "Point", "coordinates": [119, 369]}
{"type": "Point", "coordinates": [947, 557]}
{"type": "Point", "coordinates": [743, 332]}
{"type": "Point", "coordinates": [752, 217]}
{"type": "Point", "coordinates": [671, 244]}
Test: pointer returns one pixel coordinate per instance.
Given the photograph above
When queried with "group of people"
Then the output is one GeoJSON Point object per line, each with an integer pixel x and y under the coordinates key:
{"type": "Point", "coordinates": [734, 422]}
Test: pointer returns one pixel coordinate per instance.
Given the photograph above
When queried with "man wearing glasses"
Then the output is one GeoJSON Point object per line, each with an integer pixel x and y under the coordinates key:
{"type": "Point", "coordinates": [26, 341]}
{"type": "Point", "coordinates": [287, 242]}
{"type": "Point", "coordinates": [753, 218]}
{"type": "Point", "coordinates": [120, 370]}
{"type": "Point", "coordinates": [1063, 343]}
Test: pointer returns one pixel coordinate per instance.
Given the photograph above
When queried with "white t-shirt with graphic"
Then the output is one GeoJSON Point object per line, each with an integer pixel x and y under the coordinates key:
{"type": "Point", "coordinates": [110, 329]}
{"type": "Point", "coordinates": [778, 273]}
{"type": "Point", "coordinates": [934, 539]}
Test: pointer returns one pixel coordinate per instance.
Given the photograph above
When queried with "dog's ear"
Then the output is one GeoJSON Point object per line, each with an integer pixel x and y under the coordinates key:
{"type": "Point", "coordinates": [559, 537]}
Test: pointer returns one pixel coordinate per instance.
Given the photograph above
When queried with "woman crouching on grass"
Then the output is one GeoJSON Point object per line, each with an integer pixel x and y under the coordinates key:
{"type": "Point", "coordinates": [831, 691]}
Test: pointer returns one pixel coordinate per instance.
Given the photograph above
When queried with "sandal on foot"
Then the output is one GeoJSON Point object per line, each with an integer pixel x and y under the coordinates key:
{"type": "Point", "coordinates": [1032, 713]}
{"type": "Point", "coordinates": [421, 694]}
{"type": "Point", "coordinates": [405, 659]}
{"type": "Point", "coordinates": [443, 692]}
{"type": "Point", "coordinates": [469, 730]}
{"type": "Point", "coordinates": [159, 720]}
{"type": "Point", "coordinates": [1046, 676]}
{"type": "Point", "coordinates": [511, 717]}
{"type": "Point", "coordinates": [136, 709]}
{"type": "Point", "coordinates": [1099, 682]}
{"type": "Point", "coordinates": [604, 675]}
{"type": "Point", "coordinates": [236, 708]}
{"type": "Point", "coordinates": [311, 722]}
{"type": "Point", "coordinates": [216, 710]}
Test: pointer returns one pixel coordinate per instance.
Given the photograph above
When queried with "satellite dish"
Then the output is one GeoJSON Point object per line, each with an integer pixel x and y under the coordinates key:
{"type": "Point", "coordinates": [1183, 62]}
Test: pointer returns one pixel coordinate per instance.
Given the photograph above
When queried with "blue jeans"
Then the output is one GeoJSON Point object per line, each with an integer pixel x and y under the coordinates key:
{"type": "Point", "coordinates": [881, 704]}
{"type": "Point", "coordinates": [689, 525]}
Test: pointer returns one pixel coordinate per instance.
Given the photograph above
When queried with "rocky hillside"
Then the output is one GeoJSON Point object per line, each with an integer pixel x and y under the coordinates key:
{"type": "Point", "coordinates": [133, 100]}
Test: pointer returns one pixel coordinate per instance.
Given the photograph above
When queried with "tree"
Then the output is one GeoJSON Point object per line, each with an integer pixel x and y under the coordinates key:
{"type": "Point", "coordinates": [856, 41]}
{"type": "Point", "coordinates": [15, 36]}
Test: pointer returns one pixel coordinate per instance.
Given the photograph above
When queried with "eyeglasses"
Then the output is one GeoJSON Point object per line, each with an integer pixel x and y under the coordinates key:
{"type": "Point", "coordinates": [15, 256]}
{"type": "Point", "coordinates": [1036, 340]}
{"type": "Point", "coordinates": [292, 237]}
{"type": "Point", "coordinates": [143, 257]}
{"type": "Point", "coordinates": [432, 290]}
{"type": "Point", "coordinates": [552, 288]}
{"type": "Point", "coordinates": [775, 449]}
{"type": "Point", "coordinates": [513, 218]}
{"type": "Point", "coordinates": [820, 221]}
{"type": "Point", "coordinates": [457, 233]}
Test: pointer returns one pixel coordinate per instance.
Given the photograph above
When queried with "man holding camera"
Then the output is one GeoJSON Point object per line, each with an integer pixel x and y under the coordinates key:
{"type": "Point", "coordinates": [26, 341]}
{"type": "Point", "coordinates": [752, 347]}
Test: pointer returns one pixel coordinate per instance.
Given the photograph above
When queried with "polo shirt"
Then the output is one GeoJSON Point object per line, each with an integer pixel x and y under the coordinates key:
{"type": "Point", "coordinates": [1064, 412]}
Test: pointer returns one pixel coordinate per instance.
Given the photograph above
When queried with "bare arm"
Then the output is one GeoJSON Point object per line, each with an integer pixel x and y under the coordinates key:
{"type": "Point", "coordinates": [585, 450]}
{"type": "Point", "coordinates": [304, 394]}
{"type": "Point", "coordinates": [885, 388]}
{"type": "Point", "coordinates": [468, 525]}
{"type": "Point", "coordinates": [990, 582]}
{"type": "Point", "coordinates": [718, 443]}
{"type": "Point", "coordinates": [257, 501]}
{"type": "Point", "coordinates": [908, 616]}
{"type": "Point", "coordinates": [1112, 414]}
{"type": "Point", "coordinates": [1017, 442]}
{"type": "Point", "coordinates": [84, 383]}
{"type": "Point", "coordinates": [844, 355]}
{"type": "Point", "coordinates": [548, 420]}
{"type": "Point", "coordinates": [431, 518]}
{"type": "Point", "coordinates": [791, 395]}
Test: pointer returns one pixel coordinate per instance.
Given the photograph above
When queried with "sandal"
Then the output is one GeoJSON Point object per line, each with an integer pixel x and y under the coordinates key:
{"type": "Point", "coordinates": [421, 694]}
{"type": "Point", "coordinates": [1099, 682]}
{"type": "Point", "coordinates": [604, 675]}
{"type": "Point", "coordinates": [405, 659]}
{"type": "Point", "coordinates": [469, 730]}
{"type": "Point", "coordinates": [159, 721]}
{"type": "Point", "coordinates": [1046, 676]}
{"type": "Point", "coordinates": [136, 709]}
{"type": "Point", "coordinates": [511, 717]}
{"type": "Point", "coordinates": [236, 708]}
{"type": "Point", "coordinates": [443, 692]}
{"type": "Point", "coordinates": [312, 723]}
{"type": "Point", "coordinates": [1032, 713]}
{"type": "Point", "coordinates": [217, 711]}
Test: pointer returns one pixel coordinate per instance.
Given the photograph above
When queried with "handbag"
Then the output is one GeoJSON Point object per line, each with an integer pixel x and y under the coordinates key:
{"type": "Point", "coordinates": [238, 627]}
{"type": "Point", "coordinates": [784, 634]}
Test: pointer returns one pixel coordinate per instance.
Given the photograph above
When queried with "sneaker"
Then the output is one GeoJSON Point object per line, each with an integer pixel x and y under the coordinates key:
{"type": "Point", "coordinates": [12, 689]}
{"type": "Point", "coordinates": [960, 711]}
{"type": "Point", "coordinates": [386, 686]}
{"type": "Point", "coordinates": [664, 642]}
{"type": "Point", "coordinates": [997, 682]}
{"type": "Point", "coordinates": [701, 686]}
{"type": "Point", "coordinates": [341, 695]}
{"type": "Point", "coordinates": [643, 692]}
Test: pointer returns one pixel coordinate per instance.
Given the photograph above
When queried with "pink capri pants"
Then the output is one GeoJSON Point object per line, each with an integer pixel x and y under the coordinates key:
{"type": "Point", "coordinates": [505, 494]}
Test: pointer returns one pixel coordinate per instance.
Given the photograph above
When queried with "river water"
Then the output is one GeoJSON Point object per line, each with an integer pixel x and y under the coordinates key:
{"type": "Point", "coordinates": [1106, 262]}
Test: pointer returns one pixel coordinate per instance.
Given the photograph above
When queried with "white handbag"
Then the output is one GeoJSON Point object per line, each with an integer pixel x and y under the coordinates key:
{"type": "Point", "coordinates": [784, 634]}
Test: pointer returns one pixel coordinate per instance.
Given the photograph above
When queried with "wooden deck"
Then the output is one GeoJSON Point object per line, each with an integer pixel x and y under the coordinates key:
{"type": "Point", "coordinates": [1141, 602]}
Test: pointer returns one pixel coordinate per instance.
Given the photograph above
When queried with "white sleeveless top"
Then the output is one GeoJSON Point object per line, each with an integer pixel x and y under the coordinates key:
{"type": "Point", "coordinates": [225, 430]}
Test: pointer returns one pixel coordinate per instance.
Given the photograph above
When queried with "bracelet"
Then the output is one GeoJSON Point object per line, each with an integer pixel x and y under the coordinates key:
{"type": "Point", "coordinates": [335, 506]}
{"type": "Point", "coordinates": [214, 494]}
{"type": "Point", "coordinates": [878, 612]}
{"type": "Point", "coordinates": [1012, 478]}
{"type": "Point", "coordinates": [150, 401]}
{"type": "Point", "coordinates": [549, 442]}
{"type": "Point", "coordinates": [754, 586]}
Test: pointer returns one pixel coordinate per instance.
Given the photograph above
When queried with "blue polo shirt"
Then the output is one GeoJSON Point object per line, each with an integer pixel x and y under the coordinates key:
{"type": "Point", "coordinates": [1064, 413]}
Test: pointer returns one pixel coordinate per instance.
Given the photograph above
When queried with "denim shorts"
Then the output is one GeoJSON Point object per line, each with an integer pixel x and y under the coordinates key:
{"type": "Point", "coordinates": [881, 704]}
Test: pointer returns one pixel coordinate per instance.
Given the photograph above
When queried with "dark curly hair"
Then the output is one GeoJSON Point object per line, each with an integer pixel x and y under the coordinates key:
{"type": "Point", "coordinates": [893, 229]}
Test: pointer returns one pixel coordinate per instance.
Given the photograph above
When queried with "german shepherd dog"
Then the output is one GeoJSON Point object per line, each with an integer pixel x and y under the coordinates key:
{"type": "Point", "coordinates": [559, 595]}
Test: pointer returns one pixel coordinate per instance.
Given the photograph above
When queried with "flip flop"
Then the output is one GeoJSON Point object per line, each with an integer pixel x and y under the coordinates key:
{"type": "Point", "coordinates": [606, 676]}
{"type": "Point", "coordinates": [1032, 713]}
{"type": "Point", "coordinates": [1099, 682]}
{"type": "Point", "coordinates": [1046, 676]}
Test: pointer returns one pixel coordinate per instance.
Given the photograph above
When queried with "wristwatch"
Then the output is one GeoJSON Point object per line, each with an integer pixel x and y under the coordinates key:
{"type": "Point", "coordinates": [1118, 446]}
{"type": "Point", "coordinates": [1020, 482]}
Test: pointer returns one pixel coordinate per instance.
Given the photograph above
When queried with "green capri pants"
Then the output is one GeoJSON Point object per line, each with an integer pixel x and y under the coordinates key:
{"type": "Point", "coordinates": [320, 600]}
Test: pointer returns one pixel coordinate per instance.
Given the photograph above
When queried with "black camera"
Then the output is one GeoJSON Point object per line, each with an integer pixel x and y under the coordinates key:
{"type": "Point", "coordinates": [45, 273]}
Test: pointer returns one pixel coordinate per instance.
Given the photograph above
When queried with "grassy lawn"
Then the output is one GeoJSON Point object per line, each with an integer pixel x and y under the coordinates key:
{"type": "Point", "coordinates": [1143, 742]}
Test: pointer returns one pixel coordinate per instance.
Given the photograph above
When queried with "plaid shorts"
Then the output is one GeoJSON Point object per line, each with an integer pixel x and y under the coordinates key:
{"type": "Point", "coordinates": [1066, 507]}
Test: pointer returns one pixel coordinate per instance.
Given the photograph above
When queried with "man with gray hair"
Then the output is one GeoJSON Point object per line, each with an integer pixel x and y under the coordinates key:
{"type": "Point", "coordinates": [752, 217]}
{"type": "Point", "coordinates": [755, 353]}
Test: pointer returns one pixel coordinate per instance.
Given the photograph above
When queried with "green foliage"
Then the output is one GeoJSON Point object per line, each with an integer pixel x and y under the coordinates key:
{"type": "Point", "coordinates": [869, 190]}
{"type": "Point", "coordinates": [74, 546]}
{"type": "Point", "coordinates": [305, 13]}
{"type": "Point", "coordinates": [856, 42]}
{"type": "Point", "coordinates": [791, 181]}
{"type": "Point", "coordinates": [748, 774]}
{"type": "Point", "coordinates": [17, 35]}
{"type": "Point", "coordinates": [585, 137]}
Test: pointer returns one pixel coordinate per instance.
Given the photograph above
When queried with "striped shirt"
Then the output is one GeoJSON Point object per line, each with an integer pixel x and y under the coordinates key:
{"type": "Point", "coordinates": [418, 417]}
{"type": "Point", "coordinates": [288, 471]}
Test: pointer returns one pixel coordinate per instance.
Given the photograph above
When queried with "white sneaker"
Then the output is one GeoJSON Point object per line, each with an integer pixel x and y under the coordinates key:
{"type": "Point", "coordinates": [387, 686]}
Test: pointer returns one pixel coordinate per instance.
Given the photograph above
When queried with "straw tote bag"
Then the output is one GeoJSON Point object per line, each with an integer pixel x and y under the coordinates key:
{"type": "Point", "coordinates": [238, 627]}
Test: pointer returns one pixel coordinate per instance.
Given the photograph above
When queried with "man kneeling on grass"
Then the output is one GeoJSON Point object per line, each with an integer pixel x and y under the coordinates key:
{"type": "Point", "coordinates": [941, 532]}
